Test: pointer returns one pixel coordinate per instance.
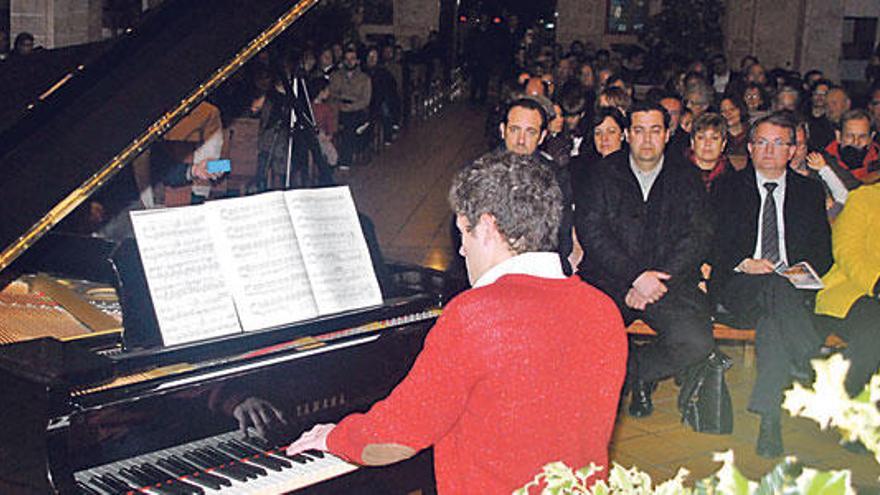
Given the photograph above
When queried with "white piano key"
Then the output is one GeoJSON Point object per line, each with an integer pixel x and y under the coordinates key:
{"type": "Point", "coordinates": [291, 478]}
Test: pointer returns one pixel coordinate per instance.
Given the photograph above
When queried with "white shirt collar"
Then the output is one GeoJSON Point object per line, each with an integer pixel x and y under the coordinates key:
{"type": "Point", "coordinates": [763, 180]}
{"type": "Point", "coordinates": [536, 264]}
{"type": "Point", "coordinates": [646, 179]}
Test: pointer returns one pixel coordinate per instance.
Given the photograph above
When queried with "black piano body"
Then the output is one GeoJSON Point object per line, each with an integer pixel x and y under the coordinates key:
{"type": "Point", "coordinates": [68, 409]}
{"type": "Point", "coordinates": [76, 408]}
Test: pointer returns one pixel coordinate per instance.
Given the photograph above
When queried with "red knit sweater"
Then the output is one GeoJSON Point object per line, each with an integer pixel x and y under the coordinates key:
{"type": "Point", "coordinates": [514, 375]}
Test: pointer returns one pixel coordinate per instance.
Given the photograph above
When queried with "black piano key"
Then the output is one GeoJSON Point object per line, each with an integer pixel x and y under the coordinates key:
{"type": "Point", "coordinates": [252, 451]}
{"type": "Point", "coordinates": [237, 450]}
{"type": "Point", "coordinates": [260, 459]}
{"type": "Point", "coordinates": [156, 473]}
{"type": "Point", "coordinates": [135, 475]}
{"type": "Point", "coordinates": [216, 461]}
{"type": "Point", "coordinates": [299, 458]}
{"type": "Point", "coordinates": [84, 489]}
{"type": "Point", "coordinates": [117, 483]}
{"type": "Point", "coordinates": [217, 454]}
{"type": "Point", "coordinates": [245, 447]}
{"type": "Point", "coordinates": [193, 472]}
{"type": "Point", "coordinates": [192, 476]}
{"type": "Point", "coordinates": [98, 482]}
{"type": "Point", "coordinates": [314, 453]}
{"type": "Point", "coordinates": [280, 460]}
{"type": "Point", "coordinates": [257, 442]}
{"type": "Point", "coordinates": [207, 464]}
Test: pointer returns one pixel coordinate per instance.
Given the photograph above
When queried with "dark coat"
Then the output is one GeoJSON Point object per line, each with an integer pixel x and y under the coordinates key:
{"type": "Point", "coordinates": [622, 235]}
{"type": "Point", "coordinates": [736, 203]}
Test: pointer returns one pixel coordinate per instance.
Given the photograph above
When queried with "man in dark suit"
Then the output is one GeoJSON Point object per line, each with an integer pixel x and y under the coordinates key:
{"type": "Point", "coordinates": [643, 220]}
{"type": "Point", "coordinates": [768, 217]}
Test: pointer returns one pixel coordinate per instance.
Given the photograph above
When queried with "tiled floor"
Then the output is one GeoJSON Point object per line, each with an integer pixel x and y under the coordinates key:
{"type": "Point", "coordinates": [404, 192]}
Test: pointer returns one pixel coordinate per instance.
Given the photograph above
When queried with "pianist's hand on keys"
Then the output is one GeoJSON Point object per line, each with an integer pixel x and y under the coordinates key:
{"type": "Point", "coordinates": [314, 439]}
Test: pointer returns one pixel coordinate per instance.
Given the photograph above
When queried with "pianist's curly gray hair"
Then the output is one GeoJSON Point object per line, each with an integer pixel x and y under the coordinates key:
{"type": "Point", "coordinates": [519, 191]}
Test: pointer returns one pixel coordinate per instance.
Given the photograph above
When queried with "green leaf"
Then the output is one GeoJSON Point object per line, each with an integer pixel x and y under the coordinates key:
{"type": "Point", "coordinates": [813, 482]}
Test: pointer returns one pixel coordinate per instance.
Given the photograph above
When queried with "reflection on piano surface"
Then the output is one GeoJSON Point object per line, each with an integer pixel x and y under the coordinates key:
{"type": "Point", "coordinates": [90, 407]}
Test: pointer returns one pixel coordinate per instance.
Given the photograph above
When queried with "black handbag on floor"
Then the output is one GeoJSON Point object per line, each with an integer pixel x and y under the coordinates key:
{"type": "Point", "coordinates": [704, 400]}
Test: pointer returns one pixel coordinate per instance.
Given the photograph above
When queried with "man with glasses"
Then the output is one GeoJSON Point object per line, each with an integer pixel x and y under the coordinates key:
{"type": "Point", "coordinates": [767, 219]}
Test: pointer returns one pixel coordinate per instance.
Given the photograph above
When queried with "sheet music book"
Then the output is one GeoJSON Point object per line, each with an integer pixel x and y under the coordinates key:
{"type": "Point", "coordinates": [249, 263]}
{"type": "Point", "coordinates": [802, 276]}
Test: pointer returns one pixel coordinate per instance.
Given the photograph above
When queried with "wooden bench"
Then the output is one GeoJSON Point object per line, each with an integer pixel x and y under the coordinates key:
{"type": "Point", "coordinates": [724, 332]}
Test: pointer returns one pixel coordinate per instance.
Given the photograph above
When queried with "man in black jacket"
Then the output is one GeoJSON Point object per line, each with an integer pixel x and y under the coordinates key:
{"type": "Point", "coordinates": [768, 218]}
{"type": "Point", "coordinates": [643, 221]}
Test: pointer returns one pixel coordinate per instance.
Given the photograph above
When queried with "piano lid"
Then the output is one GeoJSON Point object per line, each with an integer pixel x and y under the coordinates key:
{"type": "Point", "coordinates": [75, 137]}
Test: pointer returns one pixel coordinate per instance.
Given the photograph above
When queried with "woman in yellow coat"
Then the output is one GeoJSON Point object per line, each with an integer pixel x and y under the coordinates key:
{"type": "Point", "coordinates": [850, 296]}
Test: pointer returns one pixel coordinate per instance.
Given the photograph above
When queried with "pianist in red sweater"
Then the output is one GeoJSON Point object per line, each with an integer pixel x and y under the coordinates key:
{"type": "Point", "coordinates": [523, 369]}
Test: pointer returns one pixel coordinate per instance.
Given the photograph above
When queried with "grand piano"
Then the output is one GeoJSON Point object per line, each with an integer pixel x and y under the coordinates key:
{"type": "Point", "coordinates": [93, 402]}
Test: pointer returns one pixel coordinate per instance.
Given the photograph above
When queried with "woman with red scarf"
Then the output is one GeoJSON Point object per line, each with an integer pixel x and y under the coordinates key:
{"type": "Point", "coordinates": [708, 138]}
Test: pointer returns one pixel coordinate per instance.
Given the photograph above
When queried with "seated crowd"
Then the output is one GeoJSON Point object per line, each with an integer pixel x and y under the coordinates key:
{"type": "Point", "coordinates": [686, 201]}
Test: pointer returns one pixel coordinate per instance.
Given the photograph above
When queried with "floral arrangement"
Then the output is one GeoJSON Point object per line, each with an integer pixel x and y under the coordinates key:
{"type": "Point", "coordinates": [826, 402]}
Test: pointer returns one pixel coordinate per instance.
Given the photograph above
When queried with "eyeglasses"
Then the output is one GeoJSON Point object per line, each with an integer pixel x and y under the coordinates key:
{"type": "Point", "coordinates": [874, 103]}
{"type": "Point", "coordinates": [776, 143]}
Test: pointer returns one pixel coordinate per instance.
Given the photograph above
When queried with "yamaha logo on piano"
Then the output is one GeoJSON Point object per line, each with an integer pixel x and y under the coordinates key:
{"type": "Point", "coordinates": [311, 407]}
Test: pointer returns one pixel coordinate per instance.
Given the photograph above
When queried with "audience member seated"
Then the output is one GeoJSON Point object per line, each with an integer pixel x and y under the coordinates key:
{"type": "Point", "coordinates": [523, 130]}
{"type": "Point", "coordinates": [853, 155]}
{"type": "Point", "coordinates": [722, 76]}
{"type": "Point", "coordinates": [708, 138]}
{"type": "Point", "coordinates": [687, 121]}
{"type": "Point", "coordinates": [787, 98]}
{"type": "Point", "coordinates": [558, 143]}
{"type": "Point", "coordinates": [678, 139]}
{"type": "Point", "coordinates": [821, 129]}
{"type": "Point", "coordinates": [699, 97]}
{"type": "Point", "coordinates": [644, 225]}
{"type": "Point", "coordinates": [766, 217]}
{"type": "Point", "coordinates": [737, 117]}
{"type": "Point", "coordinates": [850, 297]}
{"type": "Point", "coordinates": [756, 100]}
{"type": "Point", "coordinates": [812, 164]}
{"type": "Point", "coordinates": [574, 106]}
{"type": "Point", "coordinates": [608, 128]}
{"type": "Point", "coordinates": [836, 103]}
{"type": "Point", "coordinates": [608, 125]}
{"type": "Point", "coordinates": [614, 97]}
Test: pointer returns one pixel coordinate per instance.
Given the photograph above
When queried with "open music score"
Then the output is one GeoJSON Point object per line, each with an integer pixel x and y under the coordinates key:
{"type": "Point", "coordinates": [250, 263]}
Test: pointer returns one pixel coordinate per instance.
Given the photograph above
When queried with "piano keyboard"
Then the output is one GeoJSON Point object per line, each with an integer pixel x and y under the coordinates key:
{"type": "Point", "coordinates": [227, 463]}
